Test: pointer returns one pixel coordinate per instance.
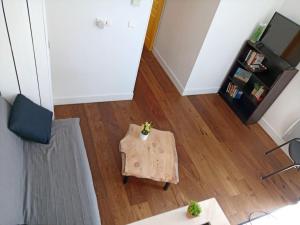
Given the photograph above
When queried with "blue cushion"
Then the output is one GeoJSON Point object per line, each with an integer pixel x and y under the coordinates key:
{"type": "Point", "coordinates": [30, 121]}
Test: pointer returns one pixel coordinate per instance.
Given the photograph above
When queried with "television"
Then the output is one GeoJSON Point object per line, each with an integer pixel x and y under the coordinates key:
{"type": "Point", "coordinates": [282, 36]}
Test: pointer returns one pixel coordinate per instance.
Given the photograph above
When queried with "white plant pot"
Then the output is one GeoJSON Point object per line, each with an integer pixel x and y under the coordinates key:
{"type": "Point", "coordinates": [143, 136]}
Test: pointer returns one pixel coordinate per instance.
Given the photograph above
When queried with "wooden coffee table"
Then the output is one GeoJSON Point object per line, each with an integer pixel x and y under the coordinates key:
{"type": "Point", "coordinates": [155, 158]}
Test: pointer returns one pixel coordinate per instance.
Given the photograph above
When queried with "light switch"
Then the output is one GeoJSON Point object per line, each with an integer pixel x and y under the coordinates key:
{"type": "Point", "coordinates": [102, 23]}
{"type": "Point", "coordinates": [136, 2]}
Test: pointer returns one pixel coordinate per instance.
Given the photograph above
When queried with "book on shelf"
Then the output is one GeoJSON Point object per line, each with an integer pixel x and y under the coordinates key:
{"type": "Point", "coordinates": [258, 91]}
{"type": "Point", "coordinates": [250, 57]}
{"type": "Point", "coordinates": [242, 75]}
{"type": "Point", "coordinates": [233, 91]}
{"type": "Point", "coordinates": [255, 61]}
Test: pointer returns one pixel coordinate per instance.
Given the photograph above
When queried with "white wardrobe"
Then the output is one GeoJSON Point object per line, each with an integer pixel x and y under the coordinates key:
{"type": "Point", "coordinates": [24, 53]}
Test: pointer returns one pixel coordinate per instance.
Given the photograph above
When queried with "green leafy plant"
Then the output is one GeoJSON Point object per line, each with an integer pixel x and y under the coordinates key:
{"type": "Point", "coordinates": [194, 209]}
{"type": "Point", "coordinates": [147, 126]}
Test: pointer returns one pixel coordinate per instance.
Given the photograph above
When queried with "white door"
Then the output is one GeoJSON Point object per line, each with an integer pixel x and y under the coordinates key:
{"type": "Point", "coordinates": [8, 78]}
{"type": "Point", "coordinates": [18, 22]}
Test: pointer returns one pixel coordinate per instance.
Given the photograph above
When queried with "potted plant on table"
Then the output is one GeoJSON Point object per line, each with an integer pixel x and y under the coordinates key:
{"type": "Point", "coordinates": [193, 210]}
{"type": "Point", "coordinates": [146, 128]}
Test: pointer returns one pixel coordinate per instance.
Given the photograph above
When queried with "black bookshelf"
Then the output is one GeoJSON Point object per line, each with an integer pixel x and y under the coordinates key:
{"type": "Point", "coordinates": [274, 76]}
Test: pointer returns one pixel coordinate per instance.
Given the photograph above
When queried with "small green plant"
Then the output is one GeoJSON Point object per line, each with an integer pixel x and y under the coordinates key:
{"type": "Point", "coordinates": [147, 126]}
{"type": "Point", "coordinates": [194, 209]}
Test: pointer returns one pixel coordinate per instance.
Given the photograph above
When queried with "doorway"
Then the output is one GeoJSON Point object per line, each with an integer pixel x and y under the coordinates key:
{"type": "Point", "coordinates": [155, 15]}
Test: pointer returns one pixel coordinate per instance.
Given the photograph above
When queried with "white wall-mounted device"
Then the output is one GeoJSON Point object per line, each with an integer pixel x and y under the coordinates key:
{"type": "Point", "coordinates": [131, 24]}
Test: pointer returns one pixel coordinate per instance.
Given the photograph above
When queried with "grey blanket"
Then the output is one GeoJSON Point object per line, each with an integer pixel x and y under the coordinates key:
{"type": "Point", "coordinates": [58, 182]}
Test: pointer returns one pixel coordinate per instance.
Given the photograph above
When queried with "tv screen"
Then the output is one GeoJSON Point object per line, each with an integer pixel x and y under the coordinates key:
{"type": "Point", "coordinates": [282, 36]}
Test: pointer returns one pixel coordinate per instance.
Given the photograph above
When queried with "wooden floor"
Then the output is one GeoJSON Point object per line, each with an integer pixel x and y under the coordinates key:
{"type": "Point", "coordinates": [218, 155]}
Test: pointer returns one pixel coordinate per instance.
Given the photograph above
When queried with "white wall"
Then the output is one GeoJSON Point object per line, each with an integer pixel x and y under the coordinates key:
{"type": "Point", "coordinates": [286, 109]}
{"type": "Point", "coordinates": [182, 30]}
{"type": "Point", "coordinates": [233, 23]}
{"type": "Point", "coordinates": [89, 64]}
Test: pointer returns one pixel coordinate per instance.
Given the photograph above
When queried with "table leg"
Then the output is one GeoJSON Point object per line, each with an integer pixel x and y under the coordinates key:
{"type": "Point", "coordinates": [166, 186]}
{"type": "Point", "coordinates": [125, 179]}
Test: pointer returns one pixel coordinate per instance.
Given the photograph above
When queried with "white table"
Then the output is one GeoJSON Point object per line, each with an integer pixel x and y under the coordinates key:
{"type": "Point", "coordinates": [211, 212]}
{"type": "Point", "coordinates": [283, 216]}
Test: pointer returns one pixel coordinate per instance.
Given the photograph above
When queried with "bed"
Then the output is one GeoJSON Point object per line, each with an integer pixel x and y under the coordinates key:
{"type": "Point", "coordinates": [45, 184]}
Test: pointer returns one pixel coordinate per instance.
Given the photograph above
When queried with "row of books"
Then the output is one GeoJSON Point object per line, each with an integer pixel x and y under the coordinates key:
{"type": "Point", "coordinates": [254, 61]}
{"type": "Point", "coordinates": [242, 75]}
{"type": "Point", "coordinates": [259, 91]}
{"type": "Point", "coordinates": [233, 91]}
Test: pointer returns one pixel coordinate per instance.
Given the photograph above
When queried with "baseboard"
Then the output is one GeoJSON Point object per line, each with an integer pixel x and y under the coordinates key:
{"type": "Point", "coordinates": [272, 133]}
{"type": "Point", "coordinates": [168, 71]}
{"type": "Point", "coordinates": [91, 99]}
{"type": "Point", "coordinates": [200, 91]}
{"type": "Point", "coordinates": [177, 83]}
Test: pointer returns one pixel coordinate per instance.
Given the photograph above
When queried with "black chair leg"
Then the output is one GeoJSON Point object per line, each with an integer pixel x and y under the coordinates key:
{"type": "Point", "coordinates": [278, 171]}
{"type": "Point", "coordinates": [272, 150]}
{"type": "Point", "coordinates": [125, 179]}
{"type": "Point", "coordinates": [278, 147]}
{"type": "Point", "coordinates": [166, 186]}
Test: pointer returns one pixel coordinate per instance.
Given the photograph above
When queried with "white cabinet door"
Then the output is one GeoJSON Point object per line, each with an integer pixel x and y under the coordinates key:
{"type": "Point", "coordinates": [8, 78]}
{"type": "Point", "coordinates": [19, 29]}
{"type": "Point", "coordinates": [40, 39]}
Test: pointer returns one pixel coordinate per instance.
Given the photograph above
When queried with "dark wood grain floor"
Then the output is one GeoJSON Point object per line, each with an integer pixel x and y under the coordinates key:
{"type": "Point", "coordinates": [218, 155]}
